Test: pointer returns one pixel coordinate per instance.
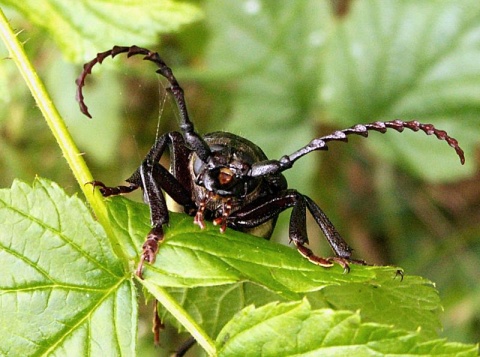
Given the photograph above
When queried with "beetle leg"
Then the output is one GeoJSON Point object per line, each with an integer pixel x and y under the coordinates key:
{"type": "Point", "coordinates": [269, 207]}
{"type": "Point", "coordinates": [338, 244]}
{"type": "Point", "coordinates": [112, 191]}
{"type": "Point", "coordinates": [226, 210]}
{"type": "Point", "coordinates": [155, 178]}
{"type": "Point", "coordinates": [152, 178]}
{"type": "Point", "coordinates": [184, 347]}
{"type": "Point", "coordinates": [159, 216]}
{"type": "Point", "coordinates": [157, 324]}
{"type": "Point", "coordinates": [298, 234]}
{"type": "Point", "coordinates": [199, 219]}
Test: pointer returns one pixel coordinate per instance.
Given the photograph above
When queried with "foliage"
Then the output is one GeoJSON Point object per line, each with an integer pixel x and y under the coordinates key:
{"type": "Point", "coordinates": [273, 77]}
{"type": "Point", "coordinates": [71, 278]}
{"type": "Point", "coordinates": [83, 22]}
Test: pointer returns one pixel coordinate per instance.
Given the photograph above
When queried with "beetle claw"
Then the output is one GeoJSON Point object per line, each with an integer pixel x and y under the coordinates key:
{"type": "Point", "coordinates": [199, 219]}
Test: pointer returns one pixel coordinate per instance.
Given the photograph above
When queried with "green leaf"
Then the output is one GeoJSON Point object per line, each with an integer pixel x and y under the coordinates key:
{"type": "Point", "coordinates": [195, 259]}
{"type": "Point", "coordinates": [295, 329]}
{"type": "Point", "coordinates": [409, 60]}
{"type": "Point", "coordinates": [83, 28]}
{"type": "Point", "coordinates": [68, 288]}
{"type": "Point", "coordinates": [214, 306]}
{"type": "Point", "coordinates": [192, 257]}
{"type": "Point", "coordinates": [62, 289]}
{"type": "Point", "coordinates": [407, 304]}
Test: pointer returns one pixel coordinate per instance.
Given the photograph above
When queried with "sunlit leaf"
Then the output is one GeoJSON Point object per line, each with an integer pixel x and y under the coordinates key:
{"type": "Point", "coordinates": [295, 329]}
{"type": "Point", "coordinates": [61, 288]}
{"type": "Point", "coordinates": [62, 285]}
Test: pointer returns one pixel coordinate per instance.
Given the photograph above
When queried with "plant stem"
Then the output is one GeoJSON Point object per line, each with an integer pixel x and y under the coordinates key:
{"type": "Point", "coordinates": [57, 126]}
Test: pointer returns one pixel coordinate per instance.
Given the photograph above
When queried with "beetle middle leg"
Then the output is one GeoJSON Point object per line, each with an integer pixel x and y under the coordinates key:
{"type": "Point", "coordinates": [270, 206]}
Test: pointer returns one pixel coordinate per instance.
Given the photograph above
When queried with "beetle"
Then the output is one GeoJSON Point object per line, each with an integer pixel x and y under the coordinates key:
{"type": "Point", "coordinates": [229, 180]}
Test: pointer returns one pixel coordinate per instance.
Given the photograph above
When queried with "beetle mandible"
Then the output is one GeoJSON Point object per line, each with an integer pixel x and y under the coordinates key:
{"type": "Point", "coordinates": [228, 179]}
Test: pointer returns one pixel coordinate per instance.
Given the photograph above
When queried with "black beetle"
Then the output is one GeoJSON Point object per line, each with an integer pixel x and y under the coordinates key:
{"type": "Point", "coordinates": [227, 179]}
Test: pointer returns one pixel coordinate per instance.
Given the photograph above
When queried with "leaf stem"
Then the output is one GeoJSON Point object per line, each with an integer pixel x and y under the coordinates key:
{"type": "Point", "coordinates": [57, 126]}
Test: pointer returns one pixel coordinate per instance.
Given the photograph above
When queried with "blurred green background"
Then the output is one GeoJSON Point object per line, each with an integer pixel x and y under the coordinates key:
{"type": "Point", "coordinates": [280, 73]}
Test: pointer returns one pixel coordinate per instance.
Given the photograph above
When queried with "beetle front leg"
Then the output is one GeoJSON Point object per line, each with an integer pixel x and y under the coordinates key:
{"type": "Point", "coordinates": [159, 216]}
{"type": "Point", "coordinates": [154, 178]}
{"type": "Point", "coordinates": [150, 248]}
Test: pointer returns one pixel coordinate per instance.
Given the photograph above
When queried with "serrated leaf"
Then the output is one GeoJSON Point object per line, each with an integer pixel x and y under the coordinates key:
{"type": "Point", "coordinates": [62, 289]}
{"type": "Point", "coordinates": [191, 257]}
{"type": "Point", "coordinates": [195, 259]}
{"type": "Point", "coordinates": [83, 28]}
{"type": "Point", "coordinates": [289, 329]}
{"type": "Point", "coordinates": [68, 288]}
{"type": "Point", "coordinates": [409, 304]}
{"type": "Point", "coordinates": [409, 60]}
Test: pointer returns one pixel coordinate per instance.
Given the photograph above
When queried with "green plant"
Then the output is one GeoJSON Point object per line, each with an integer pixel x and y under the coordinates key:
{"type": "Point", "coordinates": [68, 283]}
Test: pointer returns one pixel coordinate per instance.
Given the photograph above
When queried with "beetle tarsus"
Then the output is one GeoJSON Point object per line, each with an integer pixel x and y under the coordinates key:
{"type": "Point", "coordinates": [400, 273]}
{"type": "Point", "coordinates": [199, 219]}
{"type": "Point", "coordinates": [308, 253]}
{"type": "Point", "coordinates": [150, 249]}
{"type": "Point", "coordinates": [112, 191]}
{"type": "Point", "coordinates": [327, 262]}
{"type": "Point", "coordinates": [222, 220]}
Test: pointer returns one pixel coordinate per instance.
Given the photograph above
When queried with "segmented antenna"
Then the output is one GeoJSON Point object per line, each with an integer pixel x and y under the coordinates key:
{"type": "Point", "coordinates": [363, 129]}
{"type": "Point", "coordinates": [191, 137]}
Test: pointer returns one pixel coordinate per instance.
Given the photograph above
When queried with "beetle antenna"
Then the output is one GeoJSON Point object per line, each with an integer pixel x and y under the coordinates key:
{"type": "Point", "coordinates": [273, 166]}
{"type": "Point", "coordinates": [191, 137]}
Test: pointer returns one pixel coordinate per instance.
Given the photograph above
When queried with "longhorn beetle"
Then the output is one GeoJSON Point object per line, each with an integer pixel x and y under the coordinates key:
{"type": "Point", "coordinates": [228, 179]}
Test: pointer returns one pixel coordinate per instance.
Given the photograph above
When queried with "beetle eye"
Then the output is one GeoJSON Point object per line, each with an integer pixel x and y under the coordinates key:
{"type": "Point", "coordinates": [225, 175]}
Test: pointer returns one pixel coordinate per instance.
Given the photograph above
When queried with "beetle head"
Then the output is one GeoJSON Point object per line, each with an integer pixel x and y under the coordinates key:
{"type": "Point", "coordinates": [226, 173]}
